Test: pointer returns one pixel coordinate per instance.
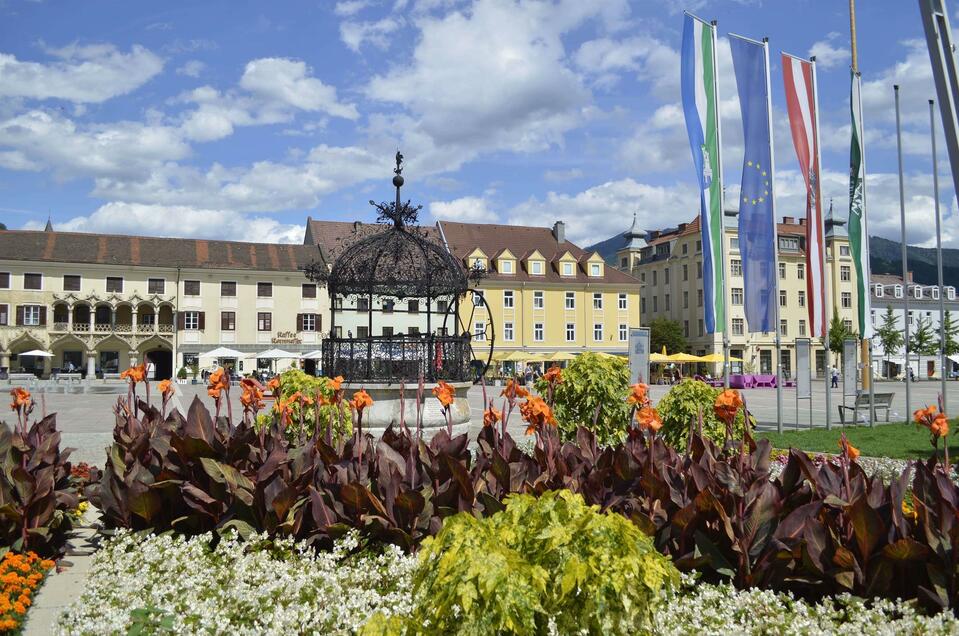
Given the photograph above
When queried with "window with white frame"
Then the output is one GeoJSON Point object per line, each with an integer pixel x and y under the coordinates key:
{"type": "Point", "coordinates": [846, 300]}
{"type": "Point", "coordinates": [935, 292]}
{"type": "Point", "coordinates": [847, 324]}
{"type": "Point", "coordinates": [264, 321]}
{"type": "Point", "coordinates": [508, 299]}
{"type": "Point", "coordinates": [538, 300]}
{"type": "Point", "coordinates": [699, 269]}
{"type": "Point", "coordinates": [802, 327]}
{"type": "Point", "coordinates": [737, 295]}
{"type": "Point", "coordinates": [570, 332]}
{"type": "Point", "coordinates": [506, 267]}
{"type": "Point", "coordinates": [309, 322]}
{"type": "Point", "coordinates": [782, 271]}
{"type": "Point", "coordinates": [598, 332]}
{"type": "Point", "coordinates": [567, 269]}
{"type": "Point", "coordinates": [844, 250]}
{"type": "Point", "coordinates": [623, 332]}
{"type": "Point", "coordinates": [879, 289]}
{"type": "Point", "coordinates": [623, 306]}
{"type": "Point", "coordinates": [537, 332]}
{"type": "Point", "coordinates": [897, 291]}
{"type": "Point", "coordinates": [685, 271]}
{"type": "Point", "coordinates": [536, 268]}
{"type": "Point", "coordinates": [951, 293]}
{"type": "Point", "coordinates": [734, 243]}
{"type": "Point", "coordinates": [801, 271]}
{"type": "Point", "coordinates": [783, 327]}
{"type": "Point", "coordinates": [4, 315]}
{"type": "Point", "coordinates": [738, 326]}
{"type": "Point", "coordinates": [31, 315]}
{"type": "Point", "coordinates": [736, 267]}
{"type": "Point", "coordinates": [191, 320]}
{"type": "Point", "coordinates": [782, 298]}
{"type": "Point", "coordinates": [570, 300]}
{"type": "Point", "coordinates": [802, 298]}
{"type": "Point", "coordinates": [597, 301]}
{"type": "Point", "coordinates": [508, 331]}
{"type": "Point", "coordinates": [479, 330]}
{"type": "Point", "coordinates": [917, 291]}
{"type": "Point", "coordinates": [595, 270]}
{"type": "Point", "coordinates": [845, 273]}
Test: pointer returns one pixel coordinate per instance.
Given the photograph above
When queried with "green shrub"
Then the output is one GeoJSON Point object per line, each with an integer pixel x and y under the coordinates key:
{"type": "Point", "coordinates": [543, 564]}
{"type": "Point", "coordinates": [682, 403]}
{"type": "Point", "coordinates": [294, 380]}
{"type": "Point", "coordinates": [592, 381]}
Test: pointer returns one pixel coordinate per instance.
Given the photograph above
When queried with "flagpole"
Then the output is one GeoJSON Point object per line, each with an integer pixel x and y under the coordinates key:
{"type": "Point", "coordinates": [722, 206]}
{"type": "Point", "coordinates": [772, 207]}
{"type": "Point", "coordinates": [905, 260]}
{"type": "Point", "coordinates": [942, 302]}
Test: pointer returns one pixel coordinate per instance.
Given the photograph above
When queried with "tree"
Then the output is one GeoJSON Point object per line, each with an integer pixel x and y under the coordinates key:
{"type": "Point", "coordinates": [3, 226]}
{"type": "Point", "coordinates": [924, 340]}
{"type": "Point", "coordinates": [664, 332]}
{"type": "Point", "coordinates": [890, 337]}
{"type": "Point", "coordinates": [952, 331]}
{"type": "Point", "coordinates": [838, 333]}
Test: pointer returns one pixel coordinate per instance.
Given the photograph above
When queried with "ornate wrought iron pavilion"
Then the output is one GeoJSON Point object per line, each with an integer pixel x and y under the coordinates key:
{"type": "Point", "coordinates": [400, 262]}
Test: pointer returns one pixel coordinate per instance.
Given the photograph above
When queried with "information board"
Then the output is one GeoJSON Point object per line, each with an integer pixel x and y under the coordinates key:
{"type": "Point", "coordinates": [850, 366]}
{"type": "Point", "coordinates": [639, 355]}
{"type": "Point", "coordinates": [803, 369]}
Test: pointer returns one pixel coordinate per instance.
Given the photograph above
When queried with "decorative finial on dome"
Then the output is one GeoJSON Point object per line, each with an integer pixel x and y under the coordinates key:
{"type": "Point", "coordinates": [401, 214]}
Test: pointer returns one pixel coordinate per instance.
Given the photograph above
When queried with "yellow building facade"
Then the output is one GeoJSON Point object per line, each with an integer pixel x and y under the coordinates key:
{"type": "Point", "coordinates": [543, 293]}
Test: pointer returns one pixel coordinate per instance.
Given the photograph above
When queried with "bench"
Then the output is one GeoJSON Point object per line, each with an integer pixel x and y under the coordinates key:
{"type": "Point", "coordinates": [880, 401]}
{"type": "Point", "coordinates": [22, 377]}
{"type": "Point", "coordinates": [67, 376]}
{"type": "Point", "coordinates": [111, 376]}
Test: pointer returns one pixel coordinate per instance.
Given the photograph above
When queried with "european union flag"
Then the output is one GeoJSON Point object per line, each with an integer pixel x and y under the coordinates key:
{"type": "Point", "coordinates": [757, 223]}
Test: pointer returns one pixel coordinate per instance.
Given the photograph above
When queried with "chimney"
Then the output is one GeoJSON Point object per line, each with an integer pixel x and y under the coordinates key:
{"type": "Point", "coordinates": [682, 226]}
{"type": "Point", "coordinates": [788, 220]}
{"type": "Point", "coordinates": [909, 276]}
{"type": "Point", "coordinates": [356, 225]}
{"type": "Point", "coordinates": [559, 231]}
{"type": "Point", "coordinates": [802, 221]}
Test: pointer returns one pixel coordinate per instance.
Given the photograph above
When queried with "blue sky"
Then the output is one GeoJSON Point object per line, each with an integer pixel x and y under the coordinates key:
{"type": "Point", "coordinates": [237, 119]}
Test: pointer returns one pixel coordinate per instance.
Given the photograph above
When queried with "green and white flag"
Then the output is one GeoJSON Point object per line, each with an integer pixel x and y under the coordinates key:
{"type": "Point", "coordinates": [858, 234]}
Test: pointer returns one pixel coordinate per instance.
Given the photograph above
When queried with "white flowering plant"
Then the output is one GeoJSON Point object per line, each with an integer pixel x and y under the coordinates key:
{"type": "Point", "coordinates": [178, 585]}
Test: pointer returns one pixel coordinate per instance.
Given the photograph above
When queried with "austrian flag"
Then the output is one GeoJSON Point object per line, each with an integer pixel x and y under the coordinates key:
{"type": "Point", "coordinates": [799, 77]}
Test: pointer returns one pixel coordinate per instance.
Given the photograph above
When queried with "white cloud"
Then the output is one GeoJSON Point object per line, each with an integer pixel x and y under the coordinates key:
{"type": "Point", "coordinates": [126, 149]}
{"type": "Point", "coordinates": [464, 209]}
{"type": "Point", "coordinates": [193, 68]}
{"type": "Point", "coordinates": [829, 55]}
{"type": "Point", "coordinates": [493, 78]}
{"type": "Point", "coordinates": [599, 212]}
{"type": "Point", "coordinates": [82, 74]}
{"type": "Point", "coordinates": [354, 34]}
{"type": "Point", "coordinates": [181, 221]}
{"type": "Point", "coordinates": [350, 7]}
{"type": "Point", "coordinates": [562, 175]}
{"type": "Point", "coordinates": [649, 58]}
{"type": "Point", "coordinates": [287, 81]}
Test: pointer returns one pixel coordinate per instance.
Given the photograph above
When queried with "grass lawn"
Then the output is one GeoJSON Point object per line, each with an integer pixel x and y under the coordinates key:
{"type": "Point", "coordinates": [899, 441]}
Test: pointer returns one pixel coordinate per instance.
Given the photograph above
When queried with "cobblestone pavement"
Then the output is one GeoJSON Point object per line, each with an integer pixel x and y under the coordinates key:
{"type": "Point", "coordinates": [86, 420]}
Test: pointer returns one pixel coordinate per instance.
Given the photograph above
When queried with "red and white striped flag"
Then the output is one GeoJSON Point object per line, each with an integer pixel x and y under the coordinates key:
{"type": "Point", "coordinates": [799, 77]}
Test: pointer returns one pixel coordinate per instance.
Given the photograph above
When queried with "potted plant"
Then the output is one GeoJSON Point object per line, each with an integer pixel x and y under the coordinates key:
{"type": "Point", "coordinates": [181, 375]}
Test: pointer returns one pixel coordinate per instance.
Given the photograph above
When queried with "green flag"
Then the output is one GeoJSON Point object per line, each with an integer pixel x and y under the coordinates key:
{"type": "Point", "coordinates": [858, 237]}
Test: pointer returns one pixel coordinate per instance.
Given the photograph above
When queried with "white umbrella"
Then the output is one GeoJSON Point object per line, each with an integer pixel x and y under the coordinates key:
{"type": "Point", "coordinates": [38, 353]}
{"type": "Point", "coordinates": [223, 352]}
{"type": "Point", "coordinates": [312, 355]}
{"type": "Point", "coordinates": [274, 354]}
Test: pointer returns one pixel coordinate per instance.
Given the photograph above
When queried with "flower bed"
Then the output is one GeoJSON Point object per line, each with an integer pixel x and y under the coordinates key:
{"type": "Point", "coordinates": [20, 576]}
{"type": "Point", "coordinates": [251, 587]}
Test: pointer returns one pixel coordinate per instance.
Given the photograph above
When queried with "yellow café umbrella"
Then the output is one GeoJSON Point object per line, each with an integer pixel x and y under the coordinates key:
{"type": "Point", "coordinates": [684, 357]}
{"type": "Point", "coordinates": [659, 357]}
{"type": "Point", "coordinates": [717, 357]}
{"type": "Point", "coordinates": [560, 356]}
{"type": "Point", "coordinates": [499, 355]}
{"type": "Point", "coordinates": [534, 357]}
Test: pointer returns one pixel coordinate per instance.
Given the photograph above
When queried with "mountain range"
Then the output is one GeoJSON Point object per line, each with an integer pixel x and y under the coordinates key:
{"type": "Point", "coordinates": [885, 257]}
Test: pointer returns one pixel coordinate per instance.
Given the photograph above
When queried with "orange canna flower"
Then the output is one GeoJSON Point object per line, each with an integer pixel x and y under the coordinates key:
{"type": "Point", "coordinates": [848, 448]}
{"type": "Point", "coordinates": [728, 403]}
{"type": "Point", "coordinates": [335, 382]}
{"type": "Point", "coordinates": [491, 416]}
{"type": "Point", "coordinates": [648, 418]}
{"type": "Point", "coordinates": [939, 426]}
{"type": "Point", "coordinates": [639, 394]}
{"type": "Point", "coordinates": [924, 416]}
{"type": "Point", "coordinates": [537, 413]}
{"type": "Point", "coordinates": [252, 398]}
{"type": "Point", "coordinates": [445, 393]}
{"type": "Point", "coordinates": [21, 398]}
{"type": "Point", "coordinates": [274, 386]}
{"type": "Point", "coordinates": [512, 390]}
{"type": "Point", "coordinates": [165, 387]}
{"type": "Point", "coordinates": [218, 382]}
{"type": "Point", "coordinates": [136, 373]}
{"type": "Point", "coordinates": [554, 375]}
{"type": "Point", "coordinates": [361, 400]}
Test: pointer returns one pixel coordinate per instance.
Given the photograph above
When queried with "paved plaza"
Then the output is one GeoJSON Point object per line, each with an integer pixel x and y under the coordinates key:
{"type": "Point", "coordinates": [86, 420]}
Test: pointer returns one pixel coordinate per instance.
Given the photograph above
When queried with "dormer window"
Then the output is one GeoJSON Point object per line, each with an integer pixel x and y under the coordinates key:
{"type": "Point", "coordinates": [595, 270]}
{"type": "Point", "coordinates": [479, 263]}
{"type": "Point", "coordinates": [879, 291]}
{"type": "Point", "coordinates": [536, 268]}
{"type": "Point", "coordinates": [935, 293]}
{"type": "Point", "coordinates": [897, 292]}
{"type": "Point", "coordinates": [917, 292]}
{"type": "Point", "coordinates": [951, 293]}
{"type": "Point", "coordinates": [567, 269]}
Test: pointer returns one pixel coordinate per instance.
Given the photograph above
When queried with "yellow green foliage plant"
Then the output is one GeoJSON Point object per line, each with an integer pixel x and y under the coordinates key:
{"type": "Point", "coordinates": [302, 415]}
{"type": "Point", "coordinates": [680, 410]}
{"type": "Point", "coordinates": [548, 564]}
